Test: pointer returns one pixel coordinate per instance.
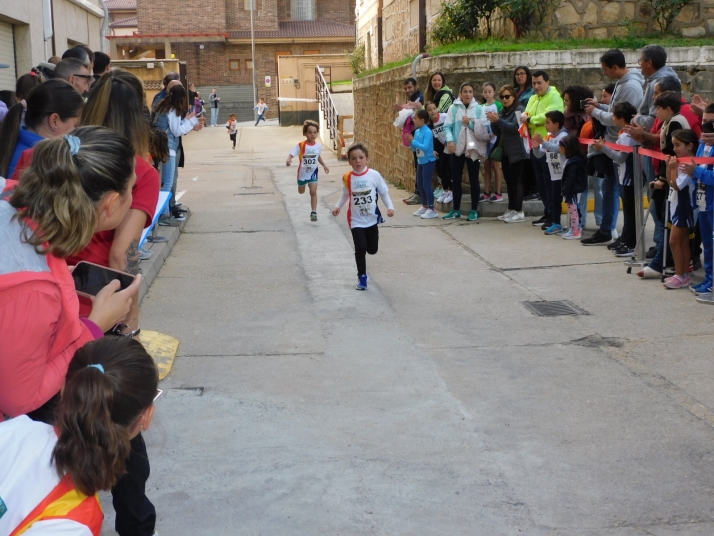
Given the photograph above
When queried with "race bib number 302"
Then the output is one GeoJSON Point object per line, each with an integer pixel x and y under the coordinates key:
{"type": "Point", "coordinates": [309, 162]}
{"type": "Point", "coordinates": [364, 202]}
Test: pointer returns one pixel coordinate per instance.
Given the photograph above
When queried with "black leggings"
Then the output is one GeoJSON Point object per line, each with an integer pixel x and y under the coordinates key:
{"type": "Point", "coordinates": [366, 241]}
{"type": "Point", "coordinates": [629, 232]}
{"type": "Point", "coordinates": [513, 173]}
{"type": "Point", "coordinates": [457, 171]}
{"type": "Point", "coordinates": [233, 138]}
{"type": "Point", "coordinates": [443, 165]}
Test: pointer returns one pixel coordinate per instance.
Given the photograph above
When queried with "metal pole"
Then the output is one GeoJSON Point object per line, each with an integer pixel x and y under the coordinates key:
{"type": "Point", "coordinates": [252, 47]}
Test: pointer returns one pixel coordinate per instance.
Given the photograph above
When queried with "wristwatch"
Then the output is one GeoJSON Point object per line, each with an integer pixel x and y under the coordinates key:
{"type": "Point", "coordinates": [117, 330]}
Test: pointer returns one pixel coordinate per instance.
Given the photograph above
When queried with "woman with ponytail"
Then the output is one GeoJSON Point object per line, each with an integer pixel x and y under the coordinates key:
{"type": "Point", "coordinates": [117, 102]}
{"type": "Point", "coordinates": [76, 185]}
{"type": "Point", "coordinates": [50, 475]}
{"type": "Point", "coordinates": [53, 110]}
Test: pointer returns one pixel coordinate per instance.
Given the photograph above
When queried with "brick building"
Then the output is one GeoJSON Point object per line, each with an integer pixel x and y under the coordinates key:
{"type": "Point", "coordinates": [213, 38]}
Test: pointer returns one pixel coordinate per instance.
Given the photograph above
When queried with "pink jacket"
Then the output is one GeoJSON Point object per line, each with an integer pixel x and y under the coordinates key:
{"type": "Point", "coordinates": [40, 328]}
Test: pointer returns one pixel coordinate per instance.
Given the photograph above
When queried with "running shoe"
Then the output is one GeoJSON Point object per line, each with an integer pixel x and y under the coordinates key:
{"type": "Point", "coordinates": [453, 215]}
{"type": "Point", "coordinates": [429, 214]}
{"type": "Point", "coordinates": [516, 217]}
{"type": "Point", "coordinates": [313, 216]}
{"type": "Point", "coordinates": [598, 239]}
{"type": "Point", "coordinates": [362, 282]}
{"type": "Point", "coordinates": [678, 281]}
{"type": "Point", "coordinates": [420, 212]}
{"type": "Point", "coordinates": [506, 214]}
{"type": "Point", "coordinates": [145, 254]}
{"type": "Point", "coordinates": [554, 229]}
{"type": "Point", "coordinates": [496, 198]}
{"type": "Point", "coordinates": [438, 192]}
{"type": "Point", "coordinates": [703, 287]}
{"type": "Point", "coordinates": [615, 244]}
{"type": "Point", "coordinates": [572, 235]}
{"type": "Point", "coordinates": [441, 198]}
{"type": "Point", "coordinates": [539, 222]}
{"type": "Point", "coordinates": [484, 197]}
{"type": "Point", "coordinates": [414, 200]}
{"type": "Point", "coordinates": [449, 197]}
{"type": "Point", "coordinates": [473, 216]}
{"type": "Point", "coordinates": [624, 251]}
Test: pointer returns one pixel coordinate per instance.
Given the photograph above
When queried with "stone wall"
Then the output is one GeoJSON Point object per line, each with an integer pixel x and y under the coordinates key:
{"type": "Point", "coordinates": [374, 96]}
{"type": "Point", "coordinates": [598, 19]}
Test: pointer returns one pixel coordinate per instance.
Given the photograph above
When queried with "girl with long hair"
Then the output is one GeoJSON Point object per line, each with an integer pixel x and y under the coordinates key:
{"type": "Point", "coordinates": [51, 474]}
{"type": "Point", "coordinates": [53, 110]}
{"type": "Point", "coordinates": [171, 118]}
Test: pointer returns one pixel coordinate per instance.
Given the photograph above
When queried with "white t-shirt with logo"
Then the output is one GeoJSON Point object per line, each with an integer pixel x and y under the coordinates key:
{"type": "Point", "coordinates": [555, 160]}
{"type": "Point", "coordinates": [439, 129]}
{"type": "Point", "coordinates": [27, 476]}
{"type": "Point", "coordinates": [309, 165]}
{"type": "Point", "coordinates": [363, 191]}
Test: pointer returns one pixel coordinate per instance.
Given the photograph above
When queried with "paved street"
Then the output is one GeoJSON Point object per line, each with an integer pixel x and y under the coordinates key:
{"type": "Point", "coordinates": [435, 402]}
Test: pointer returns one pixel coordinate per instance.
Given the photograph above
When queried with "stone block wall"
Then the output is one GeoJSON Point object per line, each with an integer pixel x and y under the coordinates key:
{"type": "Point", "coordinates": [374, 96]}
{"type": "Point", "coordinates": [597, 19]}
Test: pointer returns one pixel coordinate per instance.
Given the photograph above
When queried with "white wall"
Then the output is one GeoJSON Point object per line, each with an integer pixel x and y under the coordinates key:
{"type": "Point", "coordinates": [73, 21]}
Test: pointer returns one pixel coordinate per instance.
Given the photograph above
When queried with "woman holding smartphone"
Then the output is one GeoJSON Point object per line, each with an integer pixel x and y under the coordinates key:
{"type": "Point", "coordinates": [76, 185]}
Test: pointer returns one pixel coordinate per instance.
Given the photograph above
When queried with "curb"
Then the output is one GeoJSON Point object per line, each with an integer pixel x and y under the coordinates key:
{"type": "Point", "coordinates": [150, 268]}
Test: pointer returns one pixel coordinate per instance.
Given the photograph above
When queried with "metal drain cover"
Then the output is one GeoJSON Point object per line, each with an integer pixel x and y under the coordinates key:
{"type": "Point", "coordinates": [554, 308]}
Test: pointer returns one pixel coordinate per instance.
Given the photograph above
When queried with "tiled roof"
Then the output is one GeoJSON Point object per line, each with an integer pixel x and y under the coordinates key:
{"type": "Point", "coordinates": [301, 28]}
{"type": "Point", "coordinates": [123, 5]}
{"type": "Point", "coordinates": [131, 22]}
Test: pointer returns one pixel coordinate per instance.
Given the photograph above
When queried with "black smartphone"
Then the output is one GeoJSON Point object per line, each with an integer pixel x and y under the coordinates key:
{"type": "Point", "coordinates": [708, 127]}
{"type": "Point", "coordinates": [90, 278]}
{"type": "Point", "coordinates": [583, 104]}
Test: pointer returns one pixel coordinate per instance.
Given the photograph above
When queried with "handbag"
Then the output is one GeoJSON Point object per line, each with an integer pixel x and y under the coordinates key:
{"type": "Point", "coordinates": [497, 152]}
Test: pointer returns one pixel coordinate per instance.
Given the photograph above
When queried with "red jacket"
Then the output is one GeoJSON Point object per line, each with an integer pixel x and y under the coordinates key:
{"type": "Point", "coordinates": [40, 328]}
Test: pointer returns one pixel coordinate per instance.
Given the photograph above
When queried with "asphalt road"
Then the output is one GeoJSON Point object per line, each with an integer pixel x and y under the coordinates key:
{"type": "Point", "coordinates": [433, 403]}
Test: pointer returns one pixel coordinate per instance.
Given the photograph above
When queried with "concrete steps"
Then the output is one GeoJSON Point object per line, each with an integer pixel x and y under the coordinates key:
{"type": "Point", "coordinates": [492, 210]}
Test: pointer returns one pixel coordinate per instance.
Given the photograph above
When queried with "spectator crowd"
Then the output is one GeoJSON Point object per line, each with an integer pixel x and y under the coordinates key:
{"type": "Point", "coordinates": [83, 160]}
{"type": "Point", "coordinates": [642, 135]}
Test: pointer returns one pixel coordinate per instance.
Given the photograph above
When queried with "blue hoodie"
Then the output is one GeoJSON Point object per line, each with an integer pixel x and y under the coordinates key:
{"type": "Point", "coordinates": [705, 175]}
{"type": "Point", "coordinates": [423, 145]}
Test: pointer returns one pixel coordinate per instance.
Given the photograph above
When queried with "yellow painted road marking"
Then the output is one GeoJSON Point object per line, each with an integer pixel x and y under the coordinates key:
{"type": "Point", "coordinates": [163, 348]}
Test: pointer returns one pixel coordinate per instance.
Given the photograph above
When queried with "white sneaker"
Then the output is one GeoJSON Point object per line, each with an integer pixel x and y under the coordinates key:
{"type": "Point", "coordinates": [615, 234]}
{"type": "Point", "coordinates": [441, 198]}
{"type": "Point", "coordinates": [430, 213]}
{"type": "Point", "coordinates": [506, 214]}
{"type": "Point", "coordinates": [419, 212]}
{"type": "Point", "coordinates": [517, 217]}
{"type": "Point", "coordinates": [449, 197]}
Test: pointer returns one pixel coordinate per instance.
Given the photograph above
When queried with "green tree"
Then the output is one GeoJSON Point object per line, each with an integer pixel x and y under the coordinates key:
{"type": "Point", "coordinates": [459, 19]}
{"type": "Point", "coordinates": [666, 11]}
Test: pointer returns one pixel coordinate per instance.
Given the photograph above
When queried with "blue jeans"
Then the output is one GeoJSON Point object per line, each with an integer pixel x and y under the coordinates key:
{"type": "Point", "coordinates": [597, 195]}
{"type": "Point", "coordinates": [424, 174]}
{"type": "Point", "coordinates": [260, 118]}
{"type": "Point", "coordinates": [542, 176]}
{"type": "Point", "coordinates": [610, 202]}
{"type": "Point", "coordinates": [214, 117]}
{"type": "Point", "coordinates": [168, 170]}
{"type": "Point", "coordinates": [706, 221]}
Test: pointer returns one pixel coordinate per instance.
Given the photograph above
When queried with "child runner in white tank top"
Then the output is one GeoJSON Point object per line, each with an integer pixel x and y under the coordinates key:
{"type": "Point", "coordinates": [308, 152]}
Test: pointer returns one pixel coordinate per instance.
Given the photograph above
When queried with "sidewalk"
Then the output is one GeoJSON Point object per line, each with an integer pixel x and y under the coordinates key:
{"type": "Point", "coordinates": [433, 403]}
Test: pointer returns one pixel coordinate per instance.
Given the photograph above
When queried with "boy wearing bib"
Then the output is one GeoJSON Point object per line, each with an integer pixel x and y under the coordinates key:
{"type": "Point", "coordinates": [308, 152]}
{"type": "Point", "coordinates": [362, 187]}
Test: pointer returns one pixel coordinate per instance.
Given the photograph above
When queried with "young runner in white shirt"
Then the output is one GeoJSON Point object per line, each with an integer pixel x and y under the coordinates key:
{"type": "Point", "coordinates": [309, 153]}
{"type": "Point", "coordinates": [362, 187]}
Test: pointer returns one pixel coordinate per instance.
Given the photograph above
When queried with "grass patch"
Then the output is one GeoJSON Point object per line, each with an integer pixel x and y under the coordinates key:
{"type": "Point", "coordinates": [342, 82]}
{"type": "Point", "coordinates": [501, 45]}
{"type": "Point", "coordinates": [386, 67]}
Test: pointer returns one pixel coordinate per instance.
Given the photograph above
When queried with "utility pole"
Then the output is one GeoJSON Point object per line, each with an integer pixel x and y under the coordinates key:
{"type": "Point", "coordinates": [252, 46]}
